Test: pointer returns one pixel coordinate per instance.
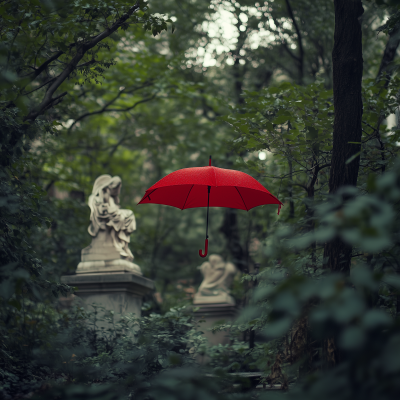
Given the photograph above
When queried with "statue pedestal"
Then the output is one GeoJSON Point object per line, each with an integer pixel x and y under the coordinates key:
{"type": "Point", "coordinates": [102, 256]}
{"type": "Point", "coordinates": [214, 313]}
{"type": "Point", "coordinates": [115, 291]}
{"type": "Point", "coordinates": [108, 266]}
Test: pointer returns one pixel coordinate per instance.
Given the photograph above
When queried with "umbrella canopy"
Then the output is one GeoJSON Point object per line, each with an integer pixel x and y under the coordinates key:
{"type": "Point", "coordinates": [187, 188]}
{"type": "Point", "coordinates": [209, 187]}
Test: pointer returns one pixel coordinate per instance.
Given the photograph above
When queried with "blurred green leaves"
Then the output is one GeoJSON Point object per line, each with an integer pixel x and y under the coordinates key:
{"type": "Point", "coordinates": [366, 221]}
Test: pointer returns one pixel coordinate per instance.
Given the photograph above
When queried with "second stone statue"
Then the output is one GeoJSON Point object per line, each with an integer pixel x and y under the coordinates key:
{"type": "Point", "coordinates": [218, 277]}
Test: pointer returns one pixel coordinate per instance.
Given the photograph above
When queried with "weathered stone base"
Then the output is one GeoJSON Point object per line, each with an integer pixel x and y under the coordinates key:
{"type": "Point", "coordinates": [118, 292]}
{"type": "Point", "coordinates": [222, 298]}
{"type": "Point", "coordinates": [215, 314]}
{"type": "Point", "coordinates": [103, 248]}
{"type": "Point", "coordinates": [108, 266]}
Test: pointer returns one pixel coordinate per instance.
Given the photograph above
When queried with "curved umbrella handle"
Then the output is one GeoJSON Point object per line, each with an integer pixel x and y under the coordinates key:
{"type": "Point", "coordinates": [206, 250]}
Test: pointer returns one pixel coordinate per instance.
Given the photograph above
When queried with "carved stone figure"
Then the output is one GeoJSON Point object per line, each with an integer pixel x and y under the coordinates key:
{"type": "Point", "coordinates": [106, 213]}
{"type": "Point", "coordinates": [218, 277]}
{"type": "Point", "coordinates": [110, 228]}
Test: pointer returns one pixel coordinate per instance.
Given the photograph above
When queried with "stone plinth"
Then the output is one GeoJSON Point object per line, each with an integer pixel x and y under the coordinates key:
{"type": "Point", "coordinates": [220, 298]}
{"type": "Point", "coordinates": [101, 248]}
{"type": "Point", "coordinates": [215, 314]}
{"type": "Point", "coordinates": [107, 266]}
{"type": "Point", "coordinates": [102, 256]}
{"type": "Point", "coordinates": [115, 291]}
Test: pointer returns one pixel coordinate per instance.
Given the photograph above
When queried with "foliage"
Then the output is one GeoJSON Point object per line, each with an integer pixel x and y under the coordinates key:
{"type": "Point", "coordinates": [237, 357]}
{"type": "Point", "coordinates": [366, 337]}
{"type": "Point", "coordinates": [292, 123]}
{"type": "Point", "coordinates": [352, 320]}
{"type": "Point", "coordinates": [392, 23]}
{"type": "Point", "coordinates": [84, 347]}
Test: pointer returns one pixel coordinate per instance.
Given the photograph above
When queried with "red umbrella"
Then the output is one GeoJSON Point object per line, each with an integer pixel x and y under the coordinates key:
{"type": "Point", "coordinates": [209, 187]}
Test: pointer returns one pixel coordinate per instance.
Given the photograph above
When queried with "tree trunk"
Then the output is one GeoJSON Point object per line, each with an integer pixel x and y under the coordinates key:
{"type": "Point", "coordinates": [238, 70]}
{"type": "Point", "coordinates": [290, 190]}
{"type": "Point", "coordinates": [347, 64]}
{"type": "Point", "coordinates": [385, 72]}
{"type": "Point", "coordinates": [231, 231]}
{"type": "Point", "coordinates": [386, 68]}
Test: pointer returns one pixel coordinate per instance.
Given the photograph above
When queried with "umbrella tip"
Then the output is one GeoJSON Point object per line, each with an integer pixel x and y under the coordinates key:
{"type": "Point", "coordinates": [209, 162]}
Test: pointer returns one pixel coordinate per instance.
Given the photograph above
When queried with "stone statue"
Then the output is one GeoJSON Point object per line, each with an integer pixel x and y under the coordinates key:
{"type": "Point", "coordinates": [218, 277]}
{"type": "Point", "coordinates": [110, 228]}
{"type": "Point", "coordinates": [105, 213]}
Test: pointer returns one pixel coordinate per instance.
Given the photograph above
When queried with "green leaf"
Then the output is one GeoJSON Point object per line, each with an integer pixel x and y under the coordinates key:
{"type": "Point", "coordinates": [353, 338]}
{"type": "Point", "coordinates": [7, 288]}
{"type": "Point", "coordinates": [15, 303]}
{"type": "Point", "coordinates": [277, 328]}
{"type": "Point", "coordinates": [252, 143]}
{"type": "Point", "coordinates": [269, 125]}
{"type": "Point", "coordinates": [312, 133]}
{"type": "Point", "coordinates": [353, 157]}
{"type": "Point", "coordinates": [393, 280]}
{"type": "Point", "coordinates": [280, 120]}
{"type": "Point", "coordinates": [374, 319]}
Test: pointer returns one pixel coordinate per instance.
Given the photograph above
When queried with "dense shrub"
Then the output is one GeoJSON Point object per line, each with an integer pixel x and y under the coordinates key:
{"type": "Point", "coordinates": [69, 347]}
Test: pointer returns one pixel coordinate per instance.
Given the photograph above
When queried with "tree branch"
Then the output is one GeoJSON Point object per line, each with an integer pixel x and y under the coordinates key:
{"type": "Point", "coordinates": [314, 178]}
{"type": "Point", "coordinates": [44, 84]}
{"type": "Point", "coordinates": [385, 72]}
{"type": "Point", "coordinates": [81, 51]}
{"type": "Point", "coordinates": [291, 54]}
{"type": "Point", "coordinates": [134, 105]}
{"type": "Point", "coordinates": [299, 184]}
{"type": "Point", "coordinates": [56, 101]}
{"type": "Point", "coordinates": [86, 64]}
{"type": "Point", "coordinates": [322, 166]}
{"type": "Point", "coordinates": [106, 109]}
{"type": "Point", "coordinates": [38, 52]}
{"type": "Point", "coordinates": [299, 40]}
{"type": "Point", "coordinates": [38, 71]}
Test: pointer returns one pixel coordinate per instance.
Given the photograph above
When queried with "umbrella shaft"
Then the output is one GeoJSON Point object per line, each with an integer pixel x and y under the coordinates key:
{"type": "Point", "coordinates": [208, 206]}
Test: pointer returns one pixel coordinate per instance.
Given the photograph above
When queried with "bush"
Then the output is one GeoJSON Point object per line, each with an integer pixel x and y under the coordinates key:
{"type": "Point", "coordinates": [69, 347]}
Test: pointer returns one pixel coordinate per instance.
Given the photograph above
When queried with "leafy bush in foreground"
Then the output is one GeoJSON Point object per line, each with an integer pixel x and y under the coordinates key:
{"type": "Point", "coordinates": [128, 352]}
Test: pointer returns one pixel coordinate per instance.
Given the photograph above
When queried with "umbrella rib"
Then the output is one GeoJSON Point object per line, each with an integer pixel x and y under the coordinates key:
{"type": "Point", "coordinates": [241, 198]}
{"type": "Point", "coordinates": [184, 204]}
{"type": "Point", "coordinates": [215, 176]}
{"type": "Point", "coordinates": [151, 193]}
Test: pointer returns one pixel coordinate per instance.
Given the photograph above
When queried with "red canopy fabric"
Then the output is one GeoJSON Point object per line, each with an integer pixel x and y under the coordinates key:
{"type": "Point", "coordinates": [188, 188]}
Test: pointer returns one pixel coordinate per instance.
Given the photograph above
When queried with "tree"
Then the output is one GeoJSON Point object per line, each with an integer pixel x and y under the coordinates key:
{"type": "Point", "coordinates": [347, 64]}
